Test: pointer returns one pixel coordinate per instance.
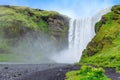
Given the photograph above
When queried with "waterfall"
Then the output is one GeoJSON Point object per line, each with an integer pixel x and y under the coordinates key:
{"type": "Point", "coordinates": [81, 32]}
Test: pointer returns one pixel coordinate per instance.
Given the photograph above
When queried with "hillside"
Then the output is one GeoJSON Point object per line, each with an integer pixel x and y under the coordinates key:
{"type": "Point", "coordinates": [16, 22]}
{"type": "Point", "coordinates": [104, 49]}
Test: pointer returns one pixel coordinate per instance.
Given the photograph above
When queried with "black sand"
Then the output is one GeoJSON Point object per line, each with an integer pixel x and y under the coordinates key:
{"type": "Point", "coordinates": [42, 71]}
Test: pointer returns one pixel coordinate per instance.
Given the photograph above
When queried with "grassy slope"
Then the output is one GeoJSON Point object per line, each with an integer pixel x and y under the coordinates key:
{"type": "Point", "coordinates": [15, 21]}
{"type": "Point", "coordinates": [104, 49]}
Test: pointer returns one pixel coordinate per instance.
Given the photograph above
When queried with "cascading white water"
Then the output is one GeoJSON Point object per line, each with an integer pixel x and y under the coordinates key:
{"type": "Point", "coordinates": [81, 32]}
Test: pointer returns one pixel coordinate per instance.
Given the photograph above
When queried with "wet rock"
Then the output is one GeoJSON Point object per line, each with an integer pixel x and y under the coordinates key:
{"type": "Point", "coordinates": [5, 67]}
{"type": "Point", "coordinates": [58, 74]}
{"type": "Point", "coordinates": [60, 70]}
{"type": "Point", "coordinates": [104, 20]}
{"type": "Point", "coordinates": [17, 75]}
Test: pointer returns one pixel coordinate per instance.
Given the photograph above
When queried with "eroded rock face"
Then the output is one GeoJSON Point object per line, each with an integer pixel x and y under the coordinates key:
{"type": "Point", "coordinates": [58, 26]}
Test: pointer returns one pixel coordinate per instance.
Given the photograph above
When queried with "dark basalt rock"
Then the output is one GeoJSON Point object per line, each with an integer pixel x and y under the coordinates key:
{"type": "Point", "coordinates": [115, 17]}
{"type": "Point", "coordinates": [104, 20]}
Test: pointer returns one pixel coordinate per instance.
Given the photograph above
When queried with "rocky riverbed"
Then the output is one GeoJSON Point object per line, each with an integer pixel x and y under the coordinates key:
{"type": "Point", "coordinates": [42, 71]}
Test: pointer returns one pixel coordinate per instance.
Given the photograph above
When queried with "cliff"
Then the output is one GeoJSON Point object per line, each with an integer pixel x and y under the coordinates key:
{"type": "Point", "coordinates": [104, 49]}
{"type": "Point", "coordinates": [16, 22]}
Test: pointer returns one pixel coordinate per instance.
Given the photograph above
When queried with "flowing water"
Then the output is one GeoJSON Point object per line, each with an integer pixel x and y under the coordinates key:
{"type": "Point", "coordinates": [81, 32]}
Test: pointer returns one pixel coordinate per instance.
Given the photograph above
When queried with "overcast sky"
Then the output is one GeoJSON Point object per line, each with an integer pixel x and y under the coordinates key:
{"type": "Point", "coordinates": [72, 8]}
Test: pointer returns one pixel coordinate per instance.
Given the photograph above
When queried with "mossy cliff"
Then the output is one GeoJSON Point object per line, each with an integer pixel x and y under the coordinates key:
{"type": "Point", "coordinates": [16, 22]}
{"type": "Point", "coordinates": [104, 49]}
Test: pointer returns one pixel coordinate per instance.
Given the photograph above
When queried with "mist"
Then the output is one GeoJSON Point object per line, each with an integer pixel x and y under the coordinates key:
{"type": "Point", "coordinates": [36, 48]}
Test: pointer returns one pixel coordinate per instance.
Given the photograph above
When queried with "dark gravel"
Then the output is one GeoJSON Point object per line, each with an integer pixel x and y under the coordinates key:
{"type": "Point", "coordinates": [111, 73]}
{"type": "Point", "coordinates": [51, 74]}
{"type": "Point", "coordinates": [19, 71]}
{"type": "Point", "coordinates": [42, 71]}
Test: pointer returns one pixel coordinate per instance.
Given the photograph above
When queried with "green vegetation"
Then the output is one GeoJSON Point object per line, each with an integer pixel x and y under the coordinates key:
{"type": "Point", "coordinates": [10, 58]}
{"type": "Point", "coordinates": [28, 17]}
{"type": "Point", "coordinates": [43, 26]}
{"type": "Point", "coordinates": [118, 68]}
{"type": "Point", "coordinates": [104, 49]}
{"type": "Point", "coordinates": [87, 73]}
{"type": "Point", "coordinates": [16, 22]}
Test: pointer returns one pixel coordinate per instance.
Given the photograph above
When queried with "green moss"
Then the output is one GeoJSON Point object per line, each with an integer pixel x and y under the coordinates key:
{"type": "Point", "coordinates": [43, 26]}
{"type": "Point", "coordinates": [50, 13]}
{"type": "Point", "coordinates": [104, 49]}
{"type": "Point", "coordinates": [116, 9]}
{"type": "Point", "coordinates": [118, 68]}
{"type": "Point", "coordinates": [87, 73]}
{"type": "Point", "coordinates": [97, 26]}
{"type": "Point", "coordinates": [31, 18]}
{"type": "Point", "coordinates": [24, 17]}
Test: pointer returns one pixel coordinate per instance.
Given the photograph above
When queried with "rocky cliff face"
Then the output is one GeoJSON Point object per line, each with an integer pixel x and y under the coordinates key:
{"type": "Point", "coordinates": [16, 22]}
{"type": "Point", "coordinates": [104, 49]}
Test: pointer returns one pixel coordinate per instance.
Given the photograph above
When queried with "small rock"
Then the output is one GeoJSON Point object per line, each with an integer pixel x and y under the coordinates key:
{"type": "Point", "coordinates": [119, 77]}
{"type": "Point", "coordinates": [19, 74]}
{"type": "Point", "coordinates": [5, 67]}
{"type": "Point", "coordinates": [60, 70]}
{"type": "Point", "coordinates": [58, 74]}
{"type": "Point", "coordinates": [14, 75]}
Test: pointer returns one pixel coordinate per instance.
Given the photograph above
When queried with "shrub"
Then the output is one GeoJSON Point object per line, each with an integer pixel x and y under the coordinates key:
{"type": "Point", "coordinates": [87, 73]}
{"type": "Point", "coordinates": [43, 26]}
{"type": "Point", "coordinates": [118, 68]}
